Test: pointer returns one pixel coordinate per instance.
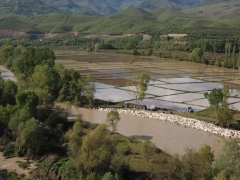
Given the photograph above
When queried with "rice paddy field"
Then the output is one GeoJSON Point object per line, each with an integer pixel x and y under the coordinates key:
{"type": "Point", "coordinates": [174, 84]}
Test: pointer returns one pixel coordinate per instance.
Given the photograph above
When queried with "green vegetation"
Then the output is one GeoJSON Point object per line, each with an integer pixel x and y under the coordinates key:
{"type": "Point", "coordinates": [138, 84]}
{"type": "Point", "coordinates": [24, 165]}
{"type": "Point", "coordinates": [32, 127]}
{"type": "Point", "coordinates": [217, 9]}
{"type": "Point", "coordinates": [113, 119]}
{"type": "Point", "coordinates": [218, 100]}
{"type": "Point", "coordinates": [131, 20]}
{"type": "Point", "coordinates": [197, 55]}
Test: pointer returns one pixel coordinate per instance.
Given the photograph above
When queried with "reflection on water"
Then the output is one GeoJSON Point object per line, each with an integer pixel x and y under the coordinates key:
{"type": "Point", "coordinates": [193, 87]}
{"type": "Point", "coordinates": [155, 91]}
{"type": "Point", "coordinates": [102, 86]}
{"type": "Point", "coordinates": [182, 97]}
{"type": "Point", "coordinates": [204, 102]}
{"type": "Point", "coordinates": [181, 80]}
{"type": "Point", "coordinates": [112, 95]}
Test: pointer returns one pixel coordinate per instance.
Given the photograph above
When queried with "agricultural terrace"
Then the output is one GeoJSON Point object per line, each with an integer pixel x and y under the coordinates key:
{"type": "Point", "coordinates": [174, 84]}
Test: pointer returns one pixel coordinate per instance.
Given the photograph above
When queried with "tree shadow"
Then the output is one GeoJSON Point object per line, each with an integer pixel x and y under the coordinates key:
{"type": "Point", "coordinates": [142, 137]}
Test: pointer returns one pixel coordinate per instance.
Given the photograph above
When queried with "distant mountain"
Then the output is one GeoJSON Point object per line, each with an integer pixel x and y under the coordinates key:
{"type": "Point", "coordinates": [173, 4]}
{"type": "Point", "coordinates": [210, 8]}
{"type": "Point", "coordinates": [217, 9]}
{"type": "Point", "coordinates": [27, 7]}
{"type": "Point", "coordinates": [101, 7]}
{"type": "Point", "coordinates": [92, 7]}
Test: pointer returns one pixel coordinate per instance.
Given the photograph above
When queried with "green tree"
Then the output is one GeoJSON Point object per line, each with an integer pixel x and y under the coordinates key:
{"type": "Point", "coordinates": [71, 85]}
{"type": "Point", "coordinates": [195, 166]}
{"type": "Point", "coordinates": [28, 100]}
{"type": "Point", "coordinates": [206, 154]}
{"type": "Point", "coordinates": [220, 176]}
{"type": "Point", "coordinates": [113, 119]}
{"type": "Point", "coordinates": [45, 78]}
{"type": "Point", "coordinates": [89, 93]}
{"type": "Point", "coordinates": [166, 167]}
{"type": "Point", "coordinates": [138, 85]}
{"type": "Point", "coordinates": [135, 52]}
{"type": "Point", "coordinates": [74, 138]}
{"type": "Point", "coordinates": [96, 47]}
{"type": "Point", "coordinates": [110, 176]}
{"type": "Point", "coordinates": [6, 53]}
{"type": "Point", "coordinates": [229, 161]}
{"type": "Point", "coordinates": [31, 137]}
{"type": "Point", "coordinates": [218, 100]}
{"type": "Point", "coordinates": [9, 93]}
{"type": "Point", "coordinates": [95, 149]}
{"type": "Point", "coordinates": [197, 54]}
{"type": "Point", "coordinates": [21, 115]}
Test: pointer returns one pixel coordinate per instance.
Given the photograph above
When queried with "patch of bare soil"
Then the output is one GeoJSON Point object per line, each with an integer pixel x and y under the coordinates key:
{"type": "Point", "coordinates": [98, 58]}
{"type": "Point", "coordinates": [115, 82]}
{"type": "Point", "coordinates": [11, 32]}
{"type": "Point", "coordinates": [11, 164]}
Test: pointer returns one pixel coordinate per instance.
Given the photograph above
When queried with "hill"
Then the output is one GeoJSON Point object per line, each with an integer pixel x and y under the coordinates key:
{"type": "Point", "coordinates": [173, 4]}
{"type": "Point", "coordinates": [131, 20]}
{"type": "Point", "coordinates": [90, 7]}
{"type": "Point", "coordinates": [217, 9]}
{"type": "Point", "coordinates": [133, 13]}
{"type": "Point", "coordinates": [93, 7]}
{"type": "Point", "coordinates": [27, 7]}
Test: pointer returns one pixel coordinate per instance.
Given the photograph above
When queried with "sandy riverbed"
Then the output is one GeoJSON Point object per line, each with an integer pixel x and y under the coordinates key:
{"type": "Point", "coordinates": [169, 137]}
{"type": "Point", "coordinates": [11, 165]}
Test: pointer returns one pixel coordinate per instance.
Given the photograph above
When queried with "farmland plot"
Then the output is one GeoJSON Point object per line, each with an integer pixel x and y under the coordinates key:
{"type": "Point", "coordinates": [174, 85]}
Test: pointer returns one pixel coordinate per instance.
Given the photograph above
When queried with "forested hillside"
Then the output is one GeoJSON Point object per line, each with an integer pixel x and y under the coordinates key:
{"type": "Point", "coordinates": [131, 20]}
{"type": "Point", "coordinates": [217, 9]}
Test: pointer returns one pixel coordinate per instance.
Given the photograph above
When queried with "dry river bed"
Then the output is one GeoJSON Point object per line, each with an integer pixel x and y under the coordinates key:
{"type": "Point", "coordinates": [169, 137]}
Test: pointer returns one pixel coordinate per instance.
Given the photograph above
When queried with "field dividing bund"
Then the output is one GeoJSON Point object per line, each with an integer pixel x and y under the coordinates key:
{"type": "Point", "coordinates": [174, 84]}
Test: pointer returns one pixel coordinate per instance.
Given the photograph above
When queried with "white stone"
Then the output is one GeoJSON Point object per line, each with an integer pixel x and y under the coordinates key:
{"type": "Point", "coordinates": [186, 122]}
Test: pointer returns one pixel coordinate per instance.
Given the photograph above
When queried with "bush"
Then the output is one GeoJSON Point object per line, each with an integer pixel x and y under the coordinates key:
{"type": "Point", "coordinates": [123, 149]}
{"type": "Point", "coordinates": [132, 139]}
{"type": "Point", "coordinates": [135, 52]}
{"type": "Point", "coordinates": [9, 152]}
{"type": "Point", "coordinates": [24, 165]}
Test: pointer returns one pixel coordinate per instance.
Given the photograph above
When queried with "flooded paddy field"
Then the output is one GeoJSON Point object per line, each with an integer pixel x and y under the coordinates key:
{"type": "Point", "coordinates": [174, 84]}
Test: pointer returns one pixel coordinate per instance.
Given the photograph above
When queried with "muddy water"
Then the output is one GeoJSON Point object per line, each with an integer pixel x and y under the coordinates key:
{"type": "Point", "coordinates": [169, 137]}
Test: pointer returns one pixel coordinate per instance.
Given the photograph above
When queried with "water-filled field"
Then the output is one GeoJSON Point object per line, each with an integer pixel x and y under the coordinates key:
{"type": "Point", "coordinates": [174, 84]}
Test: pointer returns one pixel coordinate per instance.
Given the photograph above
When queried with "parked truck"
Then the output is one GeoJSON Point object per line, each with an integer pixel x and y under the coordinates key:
{"type": "Point", "coordinates": [147, 107]}
{"type": "Point", "coordinates": [189, 109]}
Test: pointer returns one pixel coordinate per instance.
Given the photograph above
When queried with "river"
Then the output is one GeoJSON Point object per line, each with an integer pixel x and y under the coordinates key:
{"type": "Point", "coordinates": [169, 137]}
